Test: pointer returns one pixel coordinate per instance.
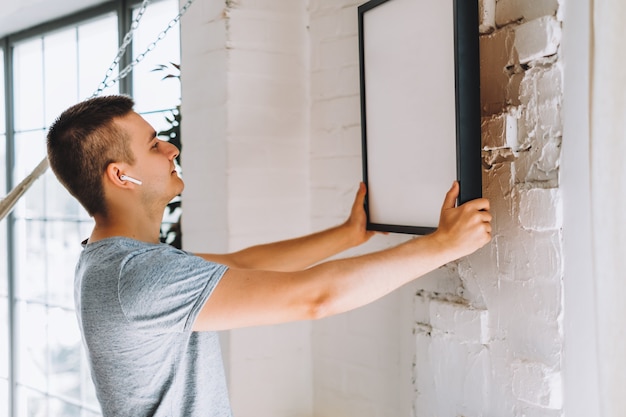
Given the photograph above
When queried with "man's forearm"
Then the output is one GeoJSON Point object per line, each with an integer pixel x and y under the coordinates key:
{"type": "Point", "coordinates": [300, 253]}
{"type": "Point", "coordinates": [296, 254]}
{"type": "Point", "coordinates": [357, 281]}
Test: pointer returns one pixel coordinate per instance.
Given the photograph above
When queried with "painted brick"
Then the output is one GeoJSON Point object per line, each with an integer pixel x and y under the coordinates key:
{"type": "Point", "coordinates": [423, 376]}
{"type": "Point", "coordinates": [509, 11]}
{"type": "Point", "coordinates": [421, 310]}
{"type": "Point", "coordinates": [472, 290]}
{"type": "Point", "coordinates": [327, 169]}
{"type": "Point", "coordinates": [539, 163]}
{"type": "Point", "coordinates": [537, 384]}
{"type": "Point", "coordinates": [486, 15]}
{"type": "Point", "coordinates": [537, 38]}
{"type": "Point", "coordinates": [469, 387]}
{"type": "Point", "coordinates": [500, 130]}
{"type": "Point", "coordinates": [497, 187]}
{"type": "Point", "coordinates": [339, 52]}
{"type": "Point", "coordinates": [444, 281]}
{"type": "Point", "coordinates": [336, 113]}
{"type": "Point", "coordinates": [550, 217]}
{"type": "Point", "coordinates": [499, 86]}
{"type": "Point", "coordinates": [541, 92]}
{"type": "Point", "coordinates": [345, 142]}
{"type": "Point", "coordinates": [530, 255]}
{"type": "Point", "coordinates": [335, 25]}
{"type": "Point", "coordinates": [335, 82]}
{"type": "Point", "coordinates": [459, 320]}
{"type": "Point", "coordinates": [513, 285]}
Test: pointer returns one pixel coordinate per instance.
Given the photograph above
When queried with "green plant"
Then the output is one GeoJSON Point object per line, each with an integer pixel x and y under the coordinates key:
{"type": "Point", "coordinates": [171, 231]}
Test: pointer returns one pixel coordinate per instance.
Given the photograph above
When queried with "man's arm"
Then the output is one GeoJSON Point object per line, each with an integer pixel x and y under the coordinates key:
{"type": "Point", "coordinates": [302, 252]}
{"type": "Point", "coordinates": [250, 297]}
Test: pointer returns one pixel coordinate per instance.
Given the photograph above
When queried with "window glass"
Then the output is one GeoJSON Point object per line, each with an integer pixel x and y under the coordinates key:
{"type": "Point", "coordinates": [28, 84]}
{"type": "Point", "coordinates": [3, 191]}
{"type": "Point", "coordinates": [52, 71]}
{"type": "Point", "coordinates": [33, 354]}
{"type": "Point", "coordinates": [146, 81]}
{"type": "Point", "coordinates": [30, 149]}
{"type": "Point", "coordinates": [65, 360]}
{"type": "Point", "coordinates": [96, 51]}
{"type": "Point", "coordinates": [58, 202]}
{"type": "Point", "coordinates": [4, 341]}
{"type": "Point", "coordinates": [30, 261]}
{"type": "Point", "coordinates": [31, 403]}
{"type": "Point", "coordinates": [4, 312]}
{"type": "Point", "coordinates": [62, 408]}
{"type": "Point", "coordinates": [61, 72]}
{"type": "Point", "coordinates": [2, 108]}
{"type": "Point", "coordinates": [63, 248]}
{"type": "Point", "coordinates": [4, 397]}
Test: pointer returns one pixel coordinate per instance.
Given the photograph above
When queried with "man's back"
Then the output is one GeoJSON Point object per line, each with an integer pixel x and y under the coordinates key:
{"type": "Point", "coordinates": [136, 303]}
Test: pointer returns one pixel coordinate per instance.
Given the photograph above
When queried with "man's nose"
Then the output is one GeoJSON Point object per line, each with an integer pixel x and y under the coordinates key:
{"type": "Point", "coordinates": [172, 150]}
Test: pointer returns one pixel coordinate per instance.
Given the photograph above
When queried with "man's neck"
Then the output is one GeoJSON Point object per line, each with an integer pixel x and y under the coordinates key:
{"type": "Point", "coordinates": [132, 225]}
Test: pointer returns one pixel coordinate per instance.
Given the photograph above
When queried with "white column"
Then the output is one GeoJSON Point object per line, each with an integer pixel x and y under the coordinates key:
{"type": "Point", "coordinates": [608, 196]}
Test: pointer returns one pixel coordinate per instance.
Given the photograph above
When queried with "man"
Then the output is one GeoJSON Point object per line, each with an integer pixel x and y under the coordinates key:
{"type": "Point", "coordinates": [148, 312]}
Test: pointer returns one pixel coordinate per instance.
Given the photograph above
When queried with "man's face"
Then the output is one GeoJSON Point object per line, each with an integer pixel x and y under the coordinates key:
{"type": "Point", "coordinates": [154, 161]}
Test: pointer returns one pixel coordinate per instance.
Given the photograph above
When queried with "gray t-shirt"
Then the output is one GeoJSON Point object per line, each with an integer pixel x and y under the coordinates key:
{"type": "Point", "coordinates": [136, 303]}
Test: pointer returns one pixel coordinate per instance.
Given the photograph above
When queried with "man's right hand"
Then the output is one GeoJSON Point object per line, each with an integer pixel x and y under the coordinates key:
{"type": "Point", "coordinates": [466, 228]}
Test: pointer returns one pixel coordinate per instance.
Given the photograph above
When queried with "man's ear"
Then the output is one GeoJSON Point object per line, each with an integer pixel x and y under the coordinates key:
{"type": "Point", "coordinates": [113, 172]}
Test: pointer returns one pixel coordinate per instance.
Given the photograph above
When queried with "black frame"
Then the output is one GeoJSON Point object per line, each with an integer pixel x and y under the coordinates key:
{"type": "Point", "coordinates": [467, 109]}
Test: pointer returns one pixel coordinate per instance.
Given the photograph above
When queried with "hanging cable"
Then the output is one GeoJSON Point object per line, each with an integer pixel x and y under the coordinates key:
{"type": "Point", "coordinates": [106, 83]}
{"type": "Point", "coordinates": [122, 50]}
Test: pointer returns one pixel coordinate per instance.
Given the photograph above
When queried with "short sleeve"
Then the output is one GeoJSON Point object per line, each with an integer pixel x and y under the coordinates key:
{"type": "Point", "coordinates": [163, 289]}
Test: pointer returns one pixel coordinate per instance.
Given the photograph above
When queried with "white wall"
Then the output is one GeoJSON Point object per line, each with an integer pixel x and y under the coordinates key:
{"type": "Point", "coordinates": [362, 360]}
{"type": "Point", "coordinates": [482, 336]}
{"type": "Point", "coordinates": [246, 170]}
{"type": "Point", "coordinates": [580, 358]}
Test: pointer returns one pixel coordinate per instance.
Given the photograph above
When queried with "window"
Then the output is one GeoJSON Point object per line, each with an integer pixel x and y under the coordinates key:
{"type": "Point", "coordinates": [43, 371]}
{"type": "Point", "coordinates": [4, 269]}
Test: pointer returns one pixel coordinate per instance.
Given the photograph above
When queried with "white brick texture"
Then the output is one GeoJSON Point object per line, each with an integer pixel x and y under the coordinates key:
{"type": "Point", "coordinates": [271, 94]}
{"type": "Point", "coordinates": [491, 343]}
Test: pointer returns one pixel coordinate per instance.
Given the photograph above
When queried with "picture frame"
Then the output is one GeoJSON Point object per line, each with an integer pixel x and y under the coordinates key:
{"type": "Point", "coordinates": [420, 109]}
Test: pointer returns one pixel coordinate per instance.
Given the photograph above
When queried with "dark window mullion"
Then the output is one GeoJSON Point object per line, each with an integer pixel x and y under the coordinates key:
{"type": "Point", "coordinates": [10, 219]}
{"type": "Point", "coordinates": [125, 17]}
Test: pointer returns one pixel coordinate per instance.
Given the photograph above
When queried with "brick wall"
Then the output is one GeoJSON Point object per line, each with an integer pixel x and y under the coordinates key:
{"type": "Point", "coordinates": [492, 343]}
{"type": "Point", "coordinates": [271, 93]}
{"type": "Point", "coordinates": [361, 359]}
{"type": "Point", "coordinates": [246, 170]}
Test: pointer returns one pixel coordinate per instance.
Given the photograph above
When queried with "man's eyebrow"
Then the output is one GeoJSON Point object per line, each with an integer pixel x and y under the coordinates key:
{"type": "Point", "coordinates": [152, 136]}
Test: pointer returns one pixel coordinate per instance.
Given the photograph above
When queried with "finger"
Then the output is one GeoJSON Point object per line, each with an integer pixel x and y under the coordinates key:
{"type": "Point", "coordinates": [451, 196]}
{"type": "Point", "coordinates": [360, 195]}
{"type": "Point", "coordinates": [478, 204]}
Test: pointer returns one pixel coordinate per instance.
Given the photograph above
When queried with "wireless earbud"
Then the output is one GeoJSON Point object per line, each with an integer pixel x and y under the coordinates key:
{"type": "Point", "coordinates": [131, 179]}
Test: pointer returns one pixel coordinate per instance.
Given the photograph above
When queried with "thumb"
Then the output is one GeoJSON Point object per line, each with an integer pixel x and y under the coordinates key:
{"type": "Point", "coordinates": [360, 195]}
{"type": "Point", "coordinates": [451, 196]}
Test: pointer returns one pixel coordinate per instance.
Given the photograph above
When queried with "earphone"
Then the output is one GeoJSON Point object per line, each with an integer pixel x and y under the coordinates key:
{"type": "Point", "coordinates": [131, 179]}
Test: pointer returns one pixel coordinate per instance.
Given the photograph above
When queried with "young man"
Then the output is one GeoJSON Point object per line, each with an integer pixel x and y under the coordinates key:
{"type": "Point", "coordinates": [148, 312]}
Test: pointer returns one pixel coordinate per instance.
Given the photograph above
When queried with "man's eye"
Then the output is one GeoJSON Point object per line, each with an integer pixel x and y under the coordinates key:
{"type": "Point", "coordinates": [156, 144]}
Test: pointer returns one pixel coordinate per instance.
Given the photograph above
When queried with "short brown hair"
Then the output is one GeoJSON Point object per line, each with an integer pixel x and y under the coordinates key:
{"type": "Point", "coordinates": [83, 141]}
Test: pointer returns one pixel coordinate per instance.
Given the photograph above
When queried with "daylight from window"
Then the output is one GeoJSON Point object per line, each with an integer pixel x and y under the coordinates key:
{"type": "Point", "coordinates": [42, 368]}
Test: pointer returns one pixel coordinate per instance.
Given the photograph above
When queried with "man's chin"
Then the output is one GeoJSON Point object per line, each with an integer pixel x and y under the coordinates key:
{"type": "Point", "coordinates": [181, 187]}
